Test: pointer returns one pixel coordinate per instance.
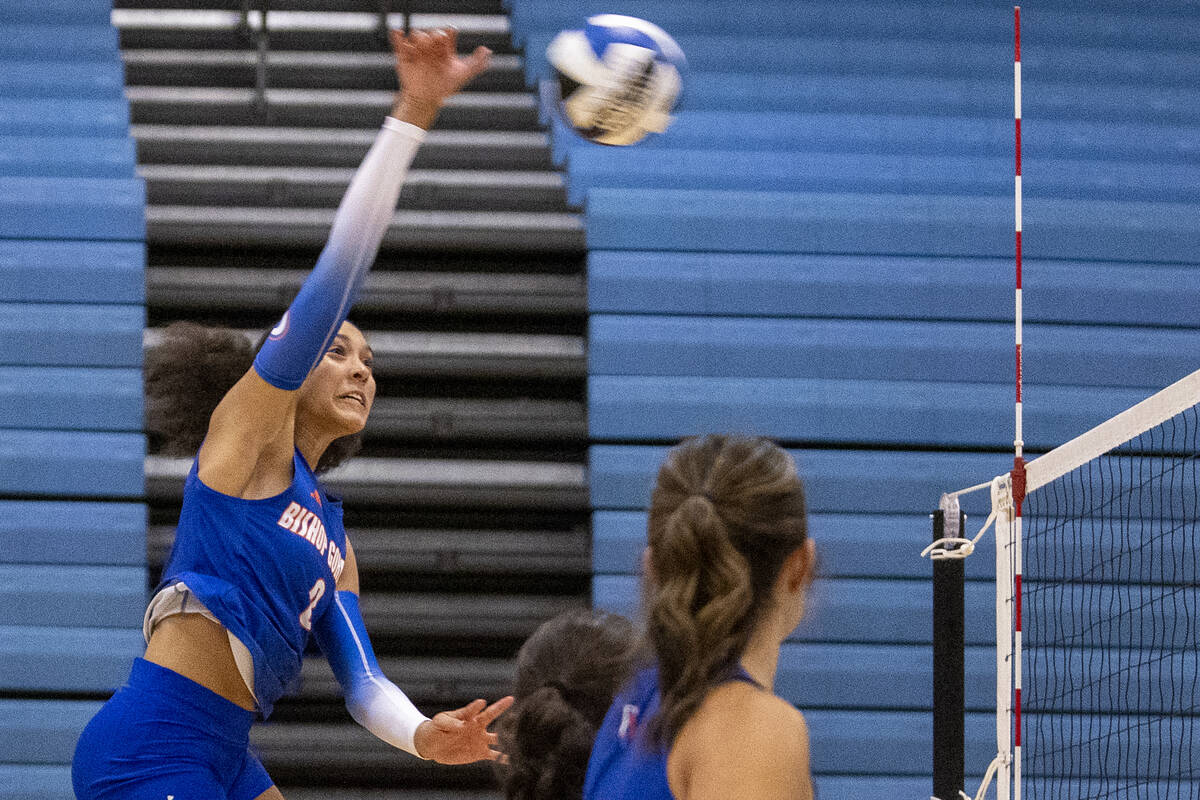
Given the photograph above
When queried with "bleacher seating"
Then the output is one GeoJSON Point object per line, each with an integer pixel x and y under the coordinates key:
{"type": "Point", "coordinates": [72, 526]}
{"type": "Point", "coordinates": [820, 250]}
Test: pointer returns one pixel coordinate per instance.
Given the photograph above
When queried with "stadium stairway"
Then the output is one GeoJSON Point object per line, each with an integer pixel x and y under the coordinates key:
{"type": "Point", "coordinates": [820, 250]}
{"type": "Point", "coordinates": [467, 506]}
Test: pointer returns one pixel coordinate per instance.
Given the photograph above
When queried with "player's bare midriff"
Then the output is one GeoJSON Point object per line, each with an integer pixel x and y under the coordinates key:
{"type": "Point", "coordinates": [198, 649]}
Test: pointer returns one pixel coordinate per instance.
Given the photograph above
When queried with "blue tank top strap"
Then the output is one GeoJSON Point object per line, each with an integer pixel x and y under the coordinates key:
{"type": "Point", "coordinates": [739, 673]}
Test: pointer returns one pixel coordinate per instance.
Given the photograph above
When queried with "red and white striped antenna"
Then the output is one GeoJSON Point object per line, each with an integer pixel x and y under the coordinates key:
{"type": "Point", "coordinates": [1018, 472]}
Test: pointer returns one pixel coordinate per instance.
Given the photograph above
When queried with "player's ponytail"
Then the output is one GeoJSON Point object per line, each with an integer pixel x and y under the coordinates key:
{"type": "Point", "coordinates": [725, 514]}
{"type": "Point", "coordinates": [567, 674]}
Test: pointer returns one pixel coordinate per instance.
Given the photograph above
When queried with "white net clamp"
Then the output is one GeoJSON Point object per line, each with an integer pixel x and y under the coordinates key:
{"type": "Point", "coordinates": [954, 546]}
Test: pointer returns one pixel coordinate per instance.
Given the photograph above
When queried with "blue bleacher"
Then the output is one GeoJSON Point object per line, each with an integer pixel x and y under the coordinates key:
{"type": "Point", "coordinates": [96, 399]}
{"type": "Point", "coordinates": [72, 208]}
{"type": "Point", "coordinates": [64, 116]}
{"type": "Point", "coordinates": [71, 334]}
{"type": "Point", "coordinates": [786, 171]}
{"type": "Point", "coordinates": [844, 412]}
{"type": "Point", "coordinates": [931, 225]}
{"type": "Point", "coordinates": [84, 157]}
{"type": "Point", "coordinates": [807, 131]}
{"type": "Point", "coordinates": [95, 533]}
{"type": "Point", "coordinates": [851, 545]}
{"type": "Point", "coordinates": [53, 13]}
{"type": "Point", "coordinates": [97, 42]}
{"type": "Point", "coordinates": [72, 307]}
{"type": "Point", "coordinates": [1064, 24]}
{"type": "Point", "coordinates": [71, 463]}
{"type": "Point", "coordinates": [887, 350]}
{"type": "Point", "coordinates": [72, 271]}
{"type": "Point", "coordinates": [34, 782]}
{"type": "Point", "coordinates": [837, 481]}
{"type": "Point", "coordinates": [100, 79]}
{"type": "Point", "coordinates": [852, 287]}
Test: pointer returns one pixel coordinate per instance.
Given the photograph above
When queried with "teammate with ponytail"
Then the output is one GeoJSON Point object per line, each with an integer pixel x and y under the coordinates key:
{"type": "Point", "coordinates": [567, 674]}
{"type": "Point", "coordinates": [261, 560]}
{"type": "Point", "coordinates": [727, 567]}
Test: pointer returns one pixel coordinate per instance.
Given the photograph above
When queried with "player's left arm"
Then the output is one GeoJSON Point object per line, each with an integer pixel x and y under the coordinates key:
{"type": "Point", "coordinates": [460, 736]}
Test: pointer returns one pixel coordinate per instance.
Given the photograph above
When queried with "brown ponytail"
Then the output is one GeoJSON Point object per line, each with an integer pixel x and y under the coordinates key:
{"type": "Point", "coordinates": [567, 674]}
{"type": "Point", "coordinates": [725, 513]}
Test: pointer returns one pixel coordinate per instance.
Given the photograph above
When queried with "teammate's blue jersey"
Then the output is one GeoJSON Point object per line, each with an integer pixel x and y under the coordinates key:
{"type": "Point", "coordinates": [624, 764]}
{"type": "Point", "coordinates": [266, 569]}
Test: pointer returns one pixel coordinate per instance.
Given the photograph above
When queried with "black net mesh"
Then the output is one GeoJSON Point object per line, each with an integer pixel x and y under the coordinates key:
{"type": "Point", "coordinates": [1110, 608]}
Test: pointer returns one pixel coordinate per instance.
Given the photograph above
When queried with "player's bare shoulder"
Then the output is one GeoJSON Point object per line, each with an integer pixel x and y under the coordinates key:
{"type": "Point", "coordinates": [742, 742]}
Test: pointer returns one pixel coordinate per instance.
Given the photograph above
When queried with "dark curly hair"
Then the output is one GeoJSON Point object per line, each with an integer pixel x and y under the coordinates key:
{"type": "Point", "coordinates": [188, 372]}
{"type": "Point", "coordinates": [567, 674]}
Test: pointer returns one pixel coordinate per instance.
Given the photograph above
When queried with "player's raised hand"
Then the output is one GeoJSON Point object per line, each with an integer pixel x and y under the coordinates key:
{"type": "Point", "coordinates": [462, 736]}
{"type": "Point", "coordinates": [430, 70]}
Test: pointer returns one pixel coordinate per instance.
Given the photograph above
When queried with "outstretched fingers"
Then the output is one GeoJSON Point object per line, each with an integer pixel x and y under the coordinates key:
{"type": "Point", "coordinates": [489, 715]}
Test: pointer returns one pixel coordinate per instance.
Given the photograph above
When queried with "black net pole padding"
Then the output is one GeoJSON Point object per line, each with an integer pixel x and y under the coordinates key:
{"type": "Point", "coordinates": [949, 694]}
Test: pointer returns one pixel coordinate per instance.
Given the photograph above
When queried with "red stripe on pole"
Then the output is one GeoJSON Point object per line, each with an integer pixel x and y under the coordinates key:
{"type": "Point", "coordinates": [1017, 36]}
{"type": "Point", "coordinates": [1018, 148]}
{"type": "Point", "coordinates": [1018, 259]}
{"type": "Point", "coordinates": [1017, 591]}
{"type": "Point", "coordinates": [1017, 715]}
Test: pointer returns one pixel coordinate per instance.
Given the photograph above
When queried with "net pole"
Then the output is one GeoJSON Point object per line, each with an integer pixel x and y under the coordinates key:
{"type": "Point", "coordinates": [949, 673]}
{"type": "Point", "coordinates": [1018, 473]}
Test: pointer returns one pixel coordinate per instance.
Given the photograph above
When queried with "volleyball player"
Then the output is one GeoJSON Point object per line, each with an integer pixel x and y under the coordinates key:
{"type": "Point", "coordinates": [567, 674]}
{"type": "Point", "coordinates": [261, 558]}
{"type": "Point", "coordinates": [727, 567]}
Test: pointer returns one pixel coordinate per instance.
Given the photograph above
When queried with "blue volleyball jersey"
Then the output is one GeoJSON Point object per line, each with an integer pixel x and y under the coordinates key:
{"type": "Point", "coordinates": [624, 764]}
{"type": "Point", "coordinates": [266, 569]}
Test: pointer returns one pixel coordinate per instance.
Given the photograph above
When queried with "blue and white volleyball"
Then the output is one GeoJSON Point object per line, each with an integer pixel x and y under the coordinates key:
{"type": "Point", "coordinates": [617, 79]}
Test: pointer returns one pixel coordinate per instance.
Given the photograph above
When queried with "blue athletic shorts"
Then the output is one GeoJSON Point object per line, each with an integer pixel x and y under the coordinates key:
{"type": "Point", "coordinates": [162, 735]}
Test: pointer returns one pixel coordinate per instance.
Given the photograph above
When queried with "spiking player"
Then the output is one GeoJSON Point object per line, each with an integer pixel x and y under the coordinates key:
{"type": "Point", "coordinates": [261, 558]}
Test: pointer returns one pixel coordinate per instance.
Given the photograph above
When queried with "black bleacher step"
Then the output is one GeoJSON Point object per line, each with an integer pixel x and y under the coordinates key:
{"type": "Point", "coordinates": [215, 29]}
{"type": "Point", "coordinates": [477, 615]}
{"type": "Point", "coordinates": [342, 793]}
{"type": "Point", "coordinates": [178, 105]}
{"type": "Point", "coordinates": [335, 147]}
{"type": "Point", "coordinates": [424, 354]}
{"type": "Point", "coordinates": [494, 231]}
{"type": "Point", "coordinates": [372, 6]}
{"type": "Point", "coordinates": [452, 419]}
{"type": "Point", "coordinates": [444, 551]}
{"type": "Point", "coordinates": [463, 190]}
{"type": "Point", "coordinates": [315, 70]}
{"type": "Point", "coordinates": [188, 289]}
{"type": "Point", "coordinates": [421, 482]}
{"type": "Point", "coordinates": [314, 754]}
{"type": "Point", "coordinates": [430, 682]}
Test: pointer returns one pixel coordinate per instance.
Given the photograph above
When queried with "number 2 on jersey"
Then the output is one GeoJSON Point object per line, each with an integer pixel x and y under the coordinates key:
{"type": "Point", "coordinates": [314, 596]}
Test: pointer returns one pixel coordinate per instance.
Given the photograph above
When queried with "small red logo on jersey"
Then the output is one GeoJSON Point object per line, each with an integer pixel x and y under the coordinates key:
{"type": "Point", "coordinates": [316, 495]}
{"type": "Point", "coordinates": [629, 721]}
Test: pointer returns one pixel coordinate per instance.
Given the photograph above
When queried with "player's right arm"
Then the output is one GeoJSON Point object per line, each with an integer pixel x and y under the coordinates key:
{"type": "Point", "coordinates": [250, 435]}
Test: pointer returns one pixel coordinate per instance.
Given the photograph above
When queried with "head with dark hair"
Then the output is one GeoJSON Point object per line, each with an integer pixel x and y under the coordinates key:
{"type": "Point", "coordinates": [187, 373]}
{"type": "Point", "coordinates": [726, 513]}
{"type": "Point", "coordinates": [567, 674]}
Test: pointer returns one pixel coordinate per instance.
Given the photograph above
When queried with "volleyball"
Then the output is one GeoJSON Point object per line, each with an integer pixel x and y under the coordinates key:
{"type": "Point", "coordinates": [618, 78]}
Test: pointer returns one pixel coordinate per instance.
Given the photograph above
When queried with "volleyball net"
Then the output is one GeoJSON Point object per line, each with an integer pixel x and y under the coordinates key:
{"type": "Point", "coordinates": [1098, 609]}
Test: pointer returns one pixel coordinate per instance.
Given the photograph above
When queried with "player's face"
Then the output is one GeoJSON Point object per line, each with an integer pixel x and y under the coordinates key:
{"type": "Point", "coordinates": [341, 388]}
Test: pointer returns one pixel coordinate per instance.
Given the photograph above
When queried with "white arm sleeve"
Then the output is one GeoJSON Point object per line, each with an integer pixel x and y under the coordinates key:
{"type": "Point", "coordinates": [375, 702]}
